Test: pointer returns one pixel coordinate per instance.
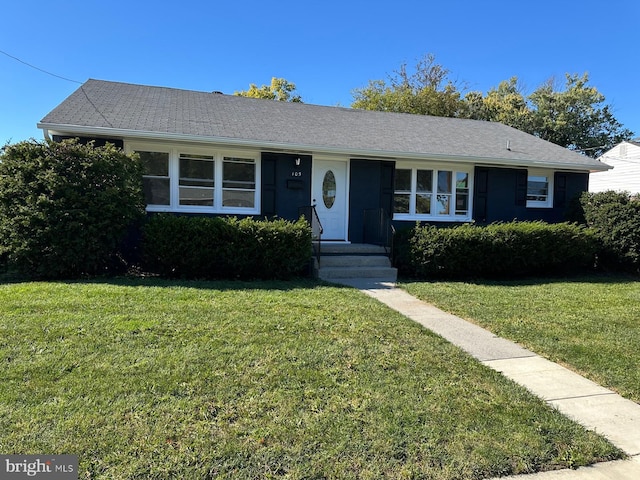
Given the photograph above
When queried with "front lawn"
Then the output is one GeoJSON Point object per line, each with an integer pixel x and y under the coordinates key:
{"type": "Point", "coordinates": [591, 324]}
{"type": "Point", "coordinates": [150, 379]}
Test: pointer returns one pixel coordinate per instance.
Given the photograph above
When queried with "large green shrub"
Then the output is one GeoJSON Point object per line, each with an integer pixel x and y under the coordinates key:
{"type": "Point", "coordinates": [225, 248]}
{"type": "Point", "coordinates": [503, 250]}
{"type": "Point", "coordinates": [65, 207]}
{"type": "Point", "coordinates": [615, 217]}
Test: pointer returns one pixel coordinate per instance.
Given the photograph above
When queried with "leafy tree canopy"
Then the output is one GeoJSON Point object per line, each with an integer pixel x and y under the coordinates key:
{"type": "Point", "coordinates": [426, 91]}
{"type": "Point", "coordinates": [280, 90]}
{"type": "Point", "coordinates": [575, 117]}
{"type": "Point", "coordinates": [505, 103]}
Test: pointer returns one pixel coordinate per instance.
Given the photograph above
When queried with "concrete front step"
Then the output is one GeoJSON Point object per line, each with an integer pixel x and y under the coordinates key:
{"type": "Point", "coordinates": [345, 260]}
{"type": "Point", "coordinates": [354, 261]}
{"type": "Point", "coordinates": [326, 273]}
{"type": "Point", "coordinates": [351, 249]}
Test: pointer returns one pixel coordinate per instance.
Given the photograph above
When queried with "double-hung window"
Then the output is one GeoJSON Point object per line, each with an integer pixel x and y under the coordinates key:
{"type": "Point", "coordinates": [462, 193]}
{"type": "Point", "coordinates": [432, 193]}
{"type": "Point", "coordinates": [197, 180]}
{"type": "Point", "coordinates": [424, 190]}
{"type": "Point", "coordinates": [184, 179]}
{"type": "Point", "coordinates": [156, 183]}
{"type": "Point", "coordinates": [238, 182]}
{"type": "Point", "coordinates": [402, 196]}
{"type": "Point", "coordinates": [445, 191]}
{"type": "Point", "coordinates": [539, 189]}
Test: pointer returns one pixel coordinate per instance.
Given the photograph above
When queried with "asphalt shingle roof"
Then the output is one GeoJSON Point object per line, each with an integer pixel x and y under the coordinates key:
{"type": "Point", "coordinates": [113, 108]}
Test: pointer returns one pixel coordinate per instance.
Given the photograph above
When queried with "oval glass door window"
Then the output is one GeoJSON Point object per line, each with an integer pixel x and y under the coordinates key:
{"type": "Point", "coordinates": [329, 189]}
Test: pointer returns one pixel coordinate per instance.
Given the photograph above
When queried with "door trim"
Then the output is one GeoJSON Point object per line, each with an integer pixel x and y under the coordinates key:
{"type": "Point", "coordinates": [316, 196]}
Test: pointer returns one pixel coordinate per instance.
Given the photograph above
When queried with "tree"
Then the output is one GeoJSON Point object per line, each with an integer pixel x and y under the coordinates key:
{"type": "Point", "coordinates": [280, 90]}
{"type": "Point", "coordinates": [575, 117]}
{"type": "Point", "coordinates": [426, 91]}
{"type": "Point", "coordinates": [65, 207]}
{"type": "Point", "coordinates": [505, 104]}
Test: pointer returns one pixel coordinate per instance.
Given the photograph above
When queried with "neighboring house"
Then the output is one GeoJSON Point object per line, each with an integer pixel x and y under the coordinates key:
{"type": "Point", "coordinates": [625, 174]}
{"type": "Point", "coordinates": [209, 153]}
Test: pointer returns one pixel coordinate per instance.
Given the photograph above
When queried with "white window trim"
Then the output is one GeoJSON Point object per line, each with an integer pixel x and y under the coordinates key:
{"type": "Point", "coordinates": [549, 174]}
{"type": "Point", "coordinates": [414, 166]}
{"type": "Point", "coordinates": [174, 151]}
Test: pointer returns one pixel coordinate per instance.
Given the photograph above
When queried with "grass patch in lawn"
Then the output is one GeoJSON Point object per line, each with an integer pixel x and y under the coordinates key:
{"type": "Point", "coordinates": [152, 379]}
{"type": "Point", "coordinates": [590, 324]}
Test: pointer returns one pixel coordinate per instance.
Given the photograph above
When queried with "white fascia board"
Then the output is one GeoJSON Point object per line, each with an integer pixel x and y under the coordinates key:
{"type": "Point", "coordinates": [53, 129]}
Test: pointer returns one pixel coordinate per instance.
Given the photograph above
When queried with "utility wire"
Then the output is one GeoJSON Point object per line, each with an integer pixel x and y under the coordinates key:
{"type": "Point", "coordinates": [39, 69]}
{"type": "Point", "coordinates": [94, 106]}
{"type": "Point", "coordinates": [62, 78]}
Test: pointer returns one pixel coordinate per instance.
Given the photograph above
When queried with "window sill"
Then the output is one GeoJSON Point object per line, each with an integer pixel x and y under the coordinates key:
{"type": "Point", "coordinates": [432, 218]}
{"type": "Point", "coordinates": [207, 210]}
{"type": "Point", "coordinates": [539, 205]}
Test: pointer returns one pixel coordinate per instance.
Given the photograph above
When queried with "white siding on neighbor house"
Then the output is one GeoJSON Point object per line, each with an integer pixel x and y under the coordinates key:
{"type": "Point", "coordinates": [625, 174]}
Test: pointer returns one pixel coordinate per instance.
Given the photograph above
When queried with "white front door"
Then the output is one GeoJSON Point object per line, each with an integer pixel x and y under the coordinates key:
{"type": "Point", "coordinates": [329, 193]}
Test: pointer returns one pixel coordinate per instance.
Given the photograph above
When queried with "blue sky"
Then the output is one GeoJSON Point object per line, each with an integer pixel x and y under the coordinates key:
{"type": "Point", "coordinates": [327, 48]}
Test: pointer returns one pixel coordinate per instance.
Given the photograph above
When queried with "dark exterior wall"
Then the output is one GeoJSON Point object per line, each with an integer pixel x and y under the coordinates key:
{"type": "Point", "coordinates": [568, 187]}
{"type": "Point", "coordinates": [500, 195]}
{"type": "Point", "coordinates": [370, 188]}
{"type": "Point", "coordinates": [98, 142]}
{"type": "Point", "coordinates": [285, 186]}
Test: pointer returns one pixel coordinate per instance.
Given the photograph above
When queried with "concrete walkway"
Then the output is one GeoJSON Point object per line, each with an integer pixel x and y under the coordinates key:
{"type": "Point", "coordinates": [582, 400]}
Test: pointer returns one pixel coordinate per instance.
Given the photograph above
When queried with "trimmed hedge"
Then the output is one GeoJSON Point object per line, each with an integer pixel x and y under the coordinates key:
{"type": "Point", "coordinates": [503, 250]}
{"type": "Point", "coordinates": [225, 248]}
{"type": "Point", "coordinates": [65, 208]}
{"type": "Point", "coordinates": [615, 218]}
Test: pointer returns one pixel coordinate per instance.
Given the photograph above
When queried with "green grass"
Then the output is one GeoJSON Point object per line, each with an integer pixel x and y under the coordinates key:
{"type": "Point", "coordinates": [149, 379]}
{"type": "Point", "coordinates": [591, 324]}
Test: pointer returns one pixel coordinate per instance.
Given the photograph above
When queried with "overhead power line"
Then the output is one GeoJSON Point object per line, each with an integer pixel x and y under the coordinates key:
{"type": "Point", "coordinates": [39, 69]}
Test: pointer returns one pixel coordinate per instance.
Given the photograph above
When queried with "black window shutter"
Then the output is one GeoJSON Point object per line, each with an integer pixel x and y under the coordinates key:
{"type": "Point", "coordinates": [268, 185]}
{"type": "Point", "coordinates": [521, 188]}
{"type": "Point", "coordinates": [560, 190]}
{"type": "Point", "coordinates": [481, 190]}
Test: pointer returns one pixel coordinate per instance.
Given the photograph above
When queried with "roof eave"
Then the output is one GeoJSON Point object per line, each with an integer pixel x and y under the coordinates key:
{"type": "Point", "coordinates": [62, 129]}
